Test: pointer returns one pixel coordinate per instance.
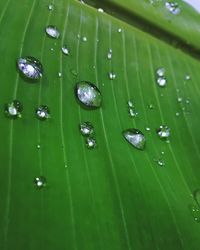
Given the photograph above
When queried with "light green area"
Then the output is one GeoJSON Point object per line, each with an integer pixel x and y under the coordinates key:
{"type": "Point", "coordinates": [114, 197]}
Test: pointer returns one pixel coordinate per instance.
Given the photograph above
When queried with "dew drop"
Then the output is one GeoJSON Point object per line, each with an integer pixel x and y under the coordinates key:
{"type": "Point", "coordinates": [59, 74]}
{"type": "Point", "coordinates": [111, 75]}
{"type": "Point", "coordinates": [135, 137]}
{"type": "Point", "coordinates": [50, 7]}
{"type": "Point", "coordinates": [163, 132]}
{"type": "Point", "coordinates": [42, 112]}
{"type": "Point", "coordinates": [179, 99]}
{"type": "Point", "coordinates": [86, 128]}
{"type": "Point", "coordinates": [84, 39]}
{"type": "Point", "coordinates": [65, 50]}
{"type": "Point", "coordinates": [147, 129]}
{"type": "Point", "coordinates": [150, 106]}
{"type": "Point", "coordinates": [161, 81]}
{"type": "Point", "coordinates": [172, 7]}
{"type": "Point", "coordinates": [195, 212]}
{"type": "Point", "coordinates": [177, 114]}
{"type": "Point", "coordinates": [40, 181]}
{"type": "Point", "coordinates": [90, 142]}
{"type": "Point", "coordinates": [52, 31]}
{"type": "Point", "coordinates": [13, 109]}
{"type": "Point", "coordinates": [160, 162]}
{"type": "Point", "coordinates": [30, 67]}
{"type": "Point", "coordinates": [38, 146]}
{"type": "Point", "coordinates": [109, 55]}
{"type": "Point", "coordinates": [119, 30]}
{"type": "Point", "coordinates": [100, 10]}
{"type": "Point", "coordinates": [88, 94]}
{"type": "Point", "coordinates": [160, 72]}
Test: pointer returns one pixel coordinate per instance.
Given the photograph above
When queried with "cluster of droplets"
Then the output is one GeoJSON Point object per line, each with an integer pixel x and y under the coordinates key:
{"type": "Point", "coordinates": [172, 7]}
{"type": "Point", "coordinates": [131, 109]}
{"type": "Point", "coordinates": [160, 77]}
{"type": "Point", "coordinates": [87, 130]}
{"type": "Point", "coordinates": [195, 208]}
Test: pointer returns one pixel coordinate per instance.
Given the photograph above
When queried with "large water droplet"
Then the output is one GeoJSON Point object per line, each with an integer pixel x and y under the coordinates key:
{"type": "Point", "coordinates": [100, 10]}
{"type": "Point", "coordinates": [30, 67]}
{"type": "Point", "coordinates": [86, 128]}
{"type": "Point", "coordinates": [65, 50]}
{"type": "Point", "coordinates": [52, 31]}
{"type": "Point", "coordinates": [88, 94]}
{"type": "Point", "coordinates": [42, 112]}
{"type": "Point", "coordinates": [13, 109]}
{"type": "Point", "coordinates": [91, 142]}
{"type": "Point", "coordinates": [163, 132]}
{"type": "Point", "coordinates": [135, 137]}
{"type": "Point", "coordinates": [172, 7]}
{"type": "Point", "coordinates": [40, 181]}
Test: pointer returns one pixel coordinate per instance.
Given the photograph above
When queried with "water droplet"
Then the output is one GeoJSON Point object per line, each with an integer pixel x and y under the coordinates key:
{"type": "Point", "coordinates": [84, 39]}
{"type": "Point", "coordinates": [163, 132]}
{"type": "Point", "coordinates": [30, 67]}
{"type": "Point", "coordinates": [111, 75]}
{"type": "Point", "coordinates": [162, 152]}
{"type": "Point", "coordinates": [52, 31]}
{"type": "Point", "coordinates": [50, 7]}
{"type": "Point", "coordinates": [195, 212]}
{"type": "Point", "coordinates": [100, 10]}
{"type": "Point", "coordinates": [131, 109]}
{"type": "Point", "coordinates": [59, 74]}
{"type": "Point", "coordinates": [73, 71]}
{"type": "Point", "coordinates": [161, 162]}
{"type": "Point", "coordinates": [65, 50]}
{"type": "Point", "coordinates": [42, 112]}
{"type": "Point", "coordinates": [86, 128]}
{"type": "Point", "coordinates": [135, 137]}
{"type": "Point", "coordinates": [172, 7]}
{"type": "Point", "coordinates": [109, 55]}
{"type": "Point", "coordinates": [160, 72]}
{"type": "Point", "coordinates": [90, 142]}
{"type": "Point", "coordinates": [147, 129]}
{"type": "Point", "coordinates": [179, 99]}
{"type": "Point", "coordinates": [40, 181]}
{"type": "Point", "coordinates": [88, 94]}
{"type": "Point", "coordinates": [119, 30]}
{"type": "Point", "coordinates": [177, 114]}
{"type": "Point", "coordinates": [52, 49]}
{"type": "Point", "coordinates": [38, 146]}
{"type": "Point", "coordinates": [187, 101]}
{"type": "Point", "coordinates": [187, 77]}
{"type": "Point", "coordinates": [161, 81]}
{"type": "Point", "coordinates": [13, 109]}
{"type": "Point", "coordinates": [151, 106]}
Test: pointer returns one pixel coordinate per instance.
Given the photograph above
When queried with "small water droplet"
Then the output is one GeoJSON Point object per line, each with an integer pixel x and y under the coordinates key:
{"type": "Point", "coordinates": [195, 212]}
{"type": "Point", "coordinates": [109, 55]}
{"type": "Point", "coordinates": [90, 142]}
{"type": "Point", "coordinates": [86, 128]}
{"type": "Point", "coordinates": [30, 67]}
{"type": "Point", "coordinates": [162, 152]}
{"type": "Point", "coordinates": [135, 137]}
{"type": "Point", "coordinates": [161, 81]}
{"type": "Point", "coordinates": [59, 74]}
{"type": "Point", "coordinates": [13, 109]}
{"type": "Point", "coordinates": [177, 114]}
{"type": "Point", "coordinates": [187, 101]}
{"type": "Point", "coordinates": [73, 71]}
{"type": "Point", "coordinates": [173, 7]}
{"type": "Point", "coordinates": [50, 7]}
{"type": "Point", "coordinates": [52, 31]}
{"type": "Point", "coordinates": [40, 181]}
{"type": "Point", "coordinates": [187, 77]}
{"type": "Point", "coordinates": [131, 109]}
{"type": "Point", "coordinates": [150, 106]}
{"type": "Point", "coordinates": [84, 39]}
{"type": "Point", "coordinates": [163, 132]}
{"type": "Point", "coordinates": [130, 104]}
{"type": "Point", "coordinates": [147, 129]}
{"type": "Point", "coordinates": [160, 71]}
{"type": "Point", "coordinates": [42, 112]}
{"type": "Point", "coordinates": [119, 30]}
{"type": "Point", "coordinates": [179, 99]}
{"type": "Point", "coordinates": [38, 146]}
{"type": "Point", "coordinates": [65, 50]}
{"type": "Point", "coordinates": [52, 49]}
{"type": "Point", "coordinates": [88, 94]}
{"type": "Point", "coordinates": [161, 162]}
{"type": "Point", "coordinates": [111, 75]}
{"type": "Point", "coordinates": [100, 10]}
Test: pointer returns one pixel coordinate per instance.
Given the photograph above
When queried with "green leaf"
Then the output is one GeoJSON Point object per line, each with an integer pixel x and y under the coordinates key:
{"type": "Point", "coordinates": [113, 196]}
